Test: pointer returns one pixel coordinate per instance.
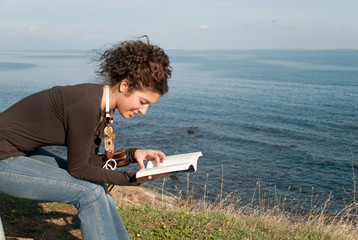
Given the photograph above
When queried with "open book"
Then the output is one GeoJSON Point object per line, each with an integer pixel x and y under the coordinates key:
{"type": "Point", "coordinates": [176, 163]}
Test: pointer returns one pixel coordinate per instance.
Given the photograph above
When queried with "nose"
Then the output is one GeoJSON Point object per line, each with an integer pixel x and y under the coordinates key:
{"type": "Point", "coordinates": [143, 109]}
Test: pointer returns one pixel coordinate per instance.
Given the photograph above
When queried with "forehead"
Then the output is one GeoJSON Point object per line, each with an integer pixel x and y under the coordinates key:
{"type": "Point", "coordinates": [147, 95]}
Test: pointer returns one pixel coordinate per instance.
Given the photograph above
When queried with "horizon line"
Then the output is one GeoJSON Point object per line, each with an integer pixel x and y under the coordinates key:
{"type": "Point", "coordinates": [184, 49]}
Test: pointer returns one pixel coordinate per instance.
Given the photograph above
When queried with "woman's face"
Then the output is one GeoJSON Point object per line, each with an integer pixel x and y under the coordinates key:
{"type": "Point", "coordinates": [131, 103]}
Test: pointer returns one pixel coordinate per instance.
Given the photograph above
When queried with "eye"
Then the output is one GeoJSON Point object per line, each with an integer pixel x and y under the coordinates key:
{"type": "Point", "coordinates": [143, 102]}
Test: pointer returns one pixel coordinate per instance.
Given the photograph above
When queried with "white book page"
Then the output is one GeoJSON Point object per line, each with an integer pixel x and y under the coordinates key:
{"type": "Point", "coordinates": [174, 163]}
{"type": "Point", "coordinates": [177, 159]}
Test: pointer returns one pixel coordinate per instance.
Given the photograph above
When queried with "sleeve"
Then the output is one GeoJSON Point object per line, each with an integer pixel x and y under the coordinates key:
{"type": "Point", "coordinates": [81, 121]}
{"type": "Point", "coordinates": [130, 155]}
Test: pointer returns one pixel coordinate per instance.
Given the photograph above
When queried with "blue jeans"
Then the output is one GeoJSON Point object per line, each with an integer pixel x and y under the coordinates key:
{"type": "Point", "coordinates": [44, 176]}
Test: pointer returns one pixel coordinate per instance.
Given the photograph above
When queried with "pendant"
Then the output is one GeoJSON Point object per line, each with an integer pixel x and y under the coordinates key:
{"type": "Point", "coordinates": [108, 147]}
{"type": "Point", "coordinates": [108, 130]}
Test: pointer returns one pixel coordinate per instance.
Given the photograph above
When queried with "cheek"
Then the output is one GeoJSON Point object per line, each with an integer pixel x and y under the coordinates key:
{"type": "Point", "coordinates": [122, 106]}
{"type": "Point", "coordinates": [132, 104]}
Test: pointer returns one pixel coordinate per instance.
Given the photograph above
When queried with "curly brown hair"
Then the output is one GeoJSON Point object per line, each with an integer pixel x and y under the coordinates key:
{"type": "Point", "coordinates": [144, 65]}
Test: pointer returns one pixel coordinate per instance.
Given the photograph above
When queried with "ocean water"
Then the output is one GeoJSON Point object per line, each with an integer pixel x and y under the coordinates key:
{"type": "Point", "coordinates": [286, 120]}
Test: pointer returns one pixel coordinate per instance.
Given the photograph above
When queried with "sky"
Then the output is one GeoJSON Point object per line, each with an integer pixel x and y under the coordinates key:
{"type": "Point", "coordinates": [184, 24]}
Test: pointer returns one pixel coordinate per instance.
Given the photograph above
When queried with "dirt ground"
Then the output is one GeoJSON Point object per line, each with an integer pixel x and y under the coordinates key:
{"type": "Point", "coordinates": [24, 219]}
{"type": "Point", "coordinates": [48, 224]}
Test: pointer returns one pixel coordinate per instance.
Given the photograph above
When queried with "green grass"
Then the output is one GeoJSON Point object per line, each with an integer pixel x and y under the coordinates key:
{"type": "Point", "coordinates": [190, 219]}
{"type": "Point", "coordinates": [150, 222]}
{"type": "Point", "coordinates": [185, 222]}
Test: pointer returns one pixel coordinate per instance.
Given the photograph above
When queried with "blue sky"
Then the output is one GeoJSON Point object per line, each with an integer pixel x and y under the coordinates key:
{"type": "Point", "coordinates": [184, 24]}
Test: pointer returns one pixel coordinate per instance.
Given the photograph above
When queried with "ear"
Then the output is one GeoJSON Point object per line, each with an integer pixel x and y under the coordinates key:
{"type": "Point", "coordinates": [123, 86]}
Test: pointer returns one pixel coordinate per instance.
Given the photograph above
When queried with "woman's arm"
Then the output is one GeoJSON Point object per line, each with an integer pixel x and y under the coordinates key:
{"type": "Point", "coordinates": [81, 118]}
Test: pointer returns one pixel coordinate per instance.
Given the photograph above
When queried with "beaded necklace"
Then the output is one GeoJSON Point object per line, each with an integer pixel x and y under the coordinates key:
{"type": "Point", "coordinates": [110, 164]}
{"type": "Point", "coordinates": [114, 158]}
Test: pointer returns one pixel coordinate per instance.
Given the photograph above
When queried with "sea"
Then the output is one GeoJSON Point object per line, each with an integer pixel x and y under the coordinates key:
{"type": "Point", "coordinates": [273, 125]}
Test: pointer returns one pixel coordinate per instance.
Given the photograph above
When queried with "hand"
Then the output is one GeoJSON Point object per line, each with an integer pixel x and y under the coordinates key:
{"type": "Point", "coordinates": [154, 177]}
{"type": "Point", "coordinates": [148, 155]}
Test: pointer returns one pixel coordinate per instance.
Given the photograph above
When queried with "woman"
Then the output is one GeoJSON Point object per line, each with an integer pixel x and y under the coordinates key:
{"type": "Point", "coordinates": [77, 117]}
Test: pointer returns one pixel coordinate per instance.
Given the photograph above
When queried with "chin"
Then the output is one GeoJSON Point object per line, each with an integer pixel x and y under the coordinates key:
{"type": "Point", "coordinates": [125, 116]}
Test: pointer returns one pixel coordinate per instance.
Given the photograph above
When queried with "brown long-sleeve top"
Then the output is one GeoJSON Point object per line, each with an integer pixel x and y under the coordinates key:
{"type": "Point", "coordinates": [68, 116]}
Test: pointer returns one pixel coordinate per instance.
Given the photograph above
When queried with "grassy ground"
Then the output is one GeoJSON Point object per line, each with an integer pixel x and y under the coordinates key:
{"type": "Point", "coordinates": [181, 219]}
{"type": "Point", "coordinates": [150, 215]}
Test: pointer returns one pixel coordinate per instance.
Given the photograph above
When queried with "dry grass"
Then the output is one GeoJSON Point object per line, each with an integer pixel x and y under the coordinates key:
{"type": "Point", "coordinates": [160, 215]}
{"type": "Point", "coordinates": [285, 220]}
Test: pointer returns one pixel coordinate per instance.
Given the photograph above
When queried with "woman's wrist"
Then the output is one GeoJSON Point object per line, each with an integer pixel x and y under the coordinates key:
{"type": "Point", "coordinates": [131, 155]}
{"type": "Point", "coordinates": [133, 181]}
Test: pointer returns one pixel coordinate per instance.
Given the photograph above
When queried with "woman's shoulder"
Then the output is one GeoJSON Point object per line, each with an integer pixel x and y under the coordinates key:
{"type": "Point", "coordinates": [82, 100]}
{"type": "Point", "coordinates": [85, 91]}
{"type": "Point", "coordinates": [83, 87]}
{"type": "Point", "coordinates": [88, 94]}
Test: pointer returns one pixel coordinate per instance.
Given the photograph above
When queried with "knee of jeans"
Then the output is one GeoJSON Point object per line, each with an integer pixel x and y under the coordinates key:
{"type": "Point", "coordinates": [91, 194]}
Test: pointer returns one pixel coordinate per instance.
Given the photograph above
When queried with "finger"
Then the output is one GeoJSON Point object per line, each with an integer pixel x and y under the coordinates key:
{"type": "Point", "coordinates": [141, 164]}
{"type": "Point", "coordinates": [162, 155]}
{"type": "Point", "coordinates": [157, 160]}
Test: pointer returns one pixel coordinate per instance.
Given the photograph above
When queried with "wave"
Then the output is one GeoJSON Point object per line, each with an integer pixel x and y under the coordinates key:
{"type": "Point", "coordinates": [10, 66]}
{"type": "Point", "coordinates": [308, 66]}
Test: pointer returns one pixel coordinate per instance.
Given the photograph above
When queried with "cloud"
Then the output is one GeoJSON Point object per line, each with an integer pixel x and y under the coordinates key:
{"type": "Point", "coordinates": [37, 29]}
{"type": "Point", "coordinates": [204, 26]}
{"type": "Point", "coordinates": [48, 31]}
{"type": "Point", "coordinates": [337, 27]}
